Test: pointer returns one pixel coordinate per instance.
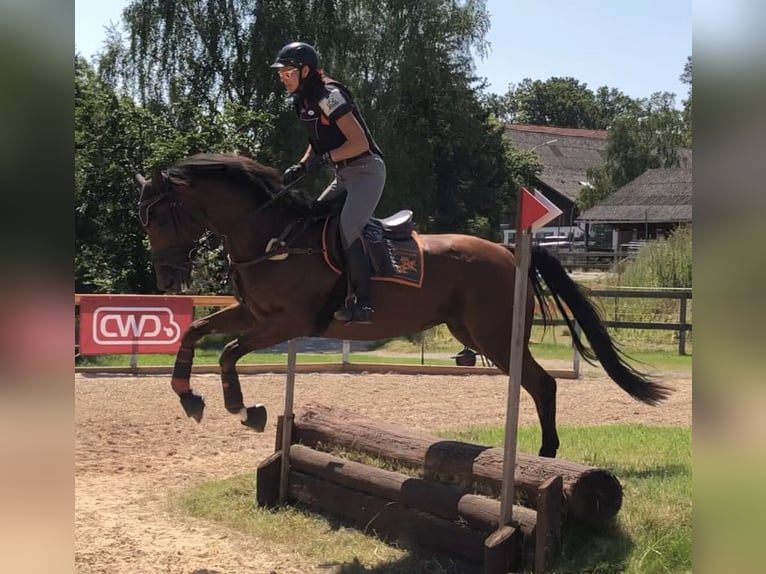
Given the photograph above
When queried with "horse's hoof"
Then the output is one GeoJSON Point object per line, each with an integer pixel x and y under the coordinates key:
{"type": "Point", "coordinates": [254, 417]}
{"type": "Point", "coordinates": [193, 404]}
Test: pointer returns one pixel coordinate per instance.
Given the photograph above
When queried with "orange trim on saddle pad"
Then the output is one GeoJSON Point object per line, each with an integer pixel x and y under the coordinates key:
{"type": "Point", "coordinates": [326, 248]}
{"type": "Point", "coordinates": [421, 258]}
{"type": "Point", "coordinates": [374, 277]}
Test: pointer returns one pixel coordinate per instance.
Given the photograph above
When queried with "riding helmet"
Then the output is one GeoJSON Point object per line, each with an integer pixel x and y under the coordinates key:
{"type": "Point", "coordinates": [297, 54]}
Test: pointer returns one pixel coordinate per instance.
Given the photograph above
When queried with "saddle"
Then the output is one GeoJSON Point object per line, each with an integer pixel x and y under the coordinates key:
{"type": "Point", "coordinates": [392, 244]}
{"type": "Point", "coordinates": [398, 227]}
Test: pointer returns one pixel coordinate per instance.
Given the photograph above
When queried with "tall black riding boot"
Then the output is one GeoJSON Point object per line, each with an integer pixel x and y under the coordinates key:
{"type": "Point", "coordinates": [358, 309]}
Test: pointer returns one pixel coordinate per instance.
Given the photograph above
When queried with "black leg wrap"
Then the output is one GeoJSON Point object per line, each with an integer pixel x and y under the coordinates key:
{"type": "Point", "coordinates": [183, 365]}
{"type": "Point", "coordinates": [232, 392]}
{"type": "Point", "coordinates": [256, 418]}
{"type": "Point", "coordinates": [193, 405]}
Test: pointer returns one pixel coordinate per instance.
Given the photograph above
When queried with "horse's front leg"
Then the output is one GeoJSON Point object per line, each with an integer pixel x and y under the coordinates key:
{"type": "Point", "coordinates": [264, 336]}
{"type": "Point", "coordinates": [233, 319]}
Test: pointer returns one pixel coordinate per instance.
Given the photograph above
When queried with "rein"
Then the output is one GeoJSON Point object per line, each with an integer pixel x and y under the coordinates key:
{"type": "Point", "coordinates": [280, 246]}
{"type": "Point", "coordinates": [280, 193]}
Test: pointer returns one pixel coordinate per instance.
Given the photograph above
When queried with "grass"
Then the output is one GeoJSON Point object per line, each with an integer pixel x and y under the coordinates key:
{"type": "Point", "coordinates": [210, 357]}
{"type": "Point", "coordinates": [409, 355]}
{"type": "Point", "coordinates": [654, 526]}
{"type": "Point", "coordinates": [652, 533]}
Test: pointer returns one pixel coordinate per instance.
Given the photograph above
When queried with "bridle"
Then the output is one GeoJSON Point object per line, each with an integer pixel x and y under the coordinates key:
{"type": "Point", "coordinates": [170, 256]}
{"type": "Point", "coordinates": [180, 255]}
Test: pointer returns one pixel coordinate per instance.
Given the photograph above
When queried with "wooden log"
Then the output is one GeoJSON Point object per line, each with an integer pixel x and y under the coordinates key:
{"type": "Point", "coordinates": [388, 519]}
{"type": "Point", "coordinates": [591, 495]}
{"type": "Point", "coordinates": [267, 481]}
{"type": "Point", "coordinates": [502, 551]}
{"type": "Point", "coordinates": [445, 501]}
{"type": "Point", "coordinates": [548, 536]}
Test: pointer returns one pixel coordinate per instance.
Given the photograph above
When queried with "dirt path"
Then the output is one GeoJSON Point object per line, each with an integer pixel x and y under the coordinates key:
{"type": "Point", "coordinates": [134, 446]}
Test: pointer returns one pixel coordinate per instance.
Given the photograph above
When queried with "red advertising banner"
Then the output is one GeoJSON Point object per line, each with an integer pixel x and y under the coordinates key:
{"type": "Point", "coordinates": [128, 324]}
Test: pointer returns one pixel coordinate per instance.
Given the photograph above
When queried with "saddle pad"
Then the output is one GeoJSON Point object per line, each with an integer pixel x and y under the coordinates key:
{"type": "Point", "coordinates": [394, 260]}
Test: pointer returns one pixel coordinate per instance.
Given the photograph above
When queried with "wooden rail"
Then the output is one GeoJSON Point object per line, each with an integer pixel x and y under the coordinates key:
{"type": "Point", "coordinates": [198, 300]}
{"type": "Point", "coordinates": [682, 326]}
{"type": "Point", "coordinates": [588, 260]}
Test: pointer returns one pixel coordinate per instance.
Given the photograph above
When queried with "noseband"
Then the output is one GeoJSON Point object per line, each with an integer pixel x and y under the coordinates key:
{"type": "Point", "coordinates": [177, 256]}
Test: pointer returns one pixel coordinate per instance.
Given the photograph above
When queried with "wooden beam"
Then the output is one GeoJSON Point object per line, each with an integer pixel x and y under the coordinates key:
{"type": "Point", "coordinates": [502, 551]}
{"type": "Point", "coordinates": [388, 519]}
{"type": "Point", "coordinates": [445, 501]}
{"type": "Point", "coordinates": [592, 495]}
{"type": "Point", "coordinates": [381, 368]}
{"type": "Point", "coordinates": [197, 300]}
{"type": "Point", "coordinates": [267, 481]}
{"type": "Point", "coordinates": [548, 535]}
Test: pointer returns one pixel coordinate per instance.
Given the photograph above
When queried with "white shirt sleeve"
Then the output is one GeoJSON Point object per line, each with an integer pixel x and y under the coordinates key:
{"type": "Point", "coordinates": [334, 101]}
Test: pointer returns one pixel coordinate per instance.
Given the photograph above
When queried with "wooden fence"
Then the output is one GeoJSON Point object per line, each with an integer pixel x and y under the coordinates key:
{"type": "Point", "coordinates": [682, 326]}
{"type": "Point", "coordinates": [589, 260]}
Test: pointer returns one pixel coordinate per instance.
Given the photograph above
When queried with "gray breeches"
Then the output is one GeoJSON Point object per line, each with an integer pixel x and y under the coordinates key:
{"type": "Point", "coordinates": [363, 182]}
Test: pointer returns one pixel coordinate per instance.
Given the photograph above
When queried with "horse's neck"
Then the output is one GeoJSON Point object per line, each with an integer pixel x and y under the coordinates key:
{"type": "Point", "coordinates": [248, 235]}
{"type": "Point", "coordinates": [244, 225]}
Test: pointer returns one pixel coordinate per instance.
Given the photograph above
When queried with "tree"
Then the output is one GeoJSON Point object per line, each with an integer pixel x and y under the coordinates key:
{"type": "Point", "coordinates": [562, 102]}
{"type": "Point", "coordinates": [409, 65]}
{"type": "Point", "coordinates": [612, 103]}
{"type": "Point", "coordinates": [686, 78]}
{"type": "Point", "coordinates": [114, 140]}
{"type": "Point", "coordinates": [110, 255]}
{"type": "Point", "coordinates": [648, 138]}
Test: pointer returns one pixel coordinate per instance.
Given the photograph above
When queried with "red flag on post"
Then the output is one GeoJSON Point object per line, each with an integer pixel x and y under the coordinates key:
{"type": "Point", "coordinates": [536, 210]}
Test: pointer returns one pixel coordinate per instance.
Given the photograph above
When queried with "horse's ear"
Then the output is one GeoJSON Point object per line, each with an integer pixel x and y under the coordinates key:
{"type": "Point", "coordinates": [141, 180]}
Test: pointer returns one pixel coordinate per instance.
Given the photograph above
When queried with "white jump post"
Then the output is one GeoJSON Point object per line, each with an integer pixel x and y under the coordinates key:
{"type": "Point", "coordinates": [522, 254]}
{"type": "Point", "coordinates": [532, 211]}
{"type": "Point", "coordinates": [287, 420]}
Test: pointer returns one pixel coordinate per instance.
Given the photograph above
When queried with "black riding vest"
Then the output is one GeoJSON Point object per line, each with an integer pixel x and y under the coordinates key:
{"type": "Point", "coordinates": [319, 110]}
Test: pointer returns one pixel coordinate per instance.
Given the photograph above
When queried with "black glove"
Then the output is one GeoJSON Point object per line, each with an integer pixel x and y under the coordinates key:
{"type": "Point", "coordinates": [293, 172]}
{"type": "Point", "coordinates": [316, 161]}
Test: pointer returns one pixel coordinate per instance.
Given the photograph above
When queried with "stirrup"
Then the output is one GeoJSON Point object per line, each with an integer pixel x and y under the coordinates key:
{"type": "Point", "coordinates": [354, 313]}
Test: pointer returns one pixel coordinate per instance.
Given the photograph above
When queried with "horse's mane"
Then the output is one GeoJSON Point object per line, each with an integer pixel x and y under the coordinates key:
{"type": "Point", "coordinates": [257, 179]}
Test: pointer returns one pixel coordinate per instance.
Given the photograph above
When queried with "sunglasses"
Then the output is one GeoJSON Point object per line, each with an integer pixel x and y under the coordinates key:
{"type": "Point", "coordinates": [286, 72]}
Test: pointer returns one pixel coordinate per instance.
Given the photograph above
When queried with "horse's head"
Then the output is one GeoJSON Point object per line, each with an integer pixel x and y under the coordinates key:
{"type": "Point", "coordinates": [172, 227]}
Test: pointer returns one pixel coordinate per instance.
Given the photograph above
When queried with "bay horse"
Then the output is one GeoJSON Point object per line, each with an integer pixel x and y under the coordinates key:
{"type": "Point", "coordinates": [291, 290]}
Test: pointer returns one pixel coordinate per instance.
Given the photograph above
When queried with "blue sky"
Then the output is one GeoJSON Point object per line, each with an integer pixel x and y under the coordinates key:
{"type": "Point", "coordinates": [636, 46]}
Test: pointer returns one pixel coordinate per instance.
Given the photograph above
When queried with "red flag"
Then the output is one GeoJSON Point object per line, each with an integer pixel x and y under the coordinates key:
{"type": "Point", "coordinates": [531, 210]}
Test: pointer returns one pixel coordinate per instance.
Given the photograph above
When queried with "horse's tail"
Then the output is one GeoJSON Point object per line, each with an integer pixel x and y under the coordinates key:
{"type": "Point", "coordinates": [613, 360]}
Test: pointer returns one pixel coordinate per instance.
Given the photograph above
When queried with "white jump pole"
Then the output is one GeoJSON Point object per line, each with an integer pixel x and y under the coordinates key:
{"type": "Point", "coordinates": [287, 420]}
{"type": "Point", "coordinates": [532, 211]}
{"type": "Point", "coordinates": [522, 255]}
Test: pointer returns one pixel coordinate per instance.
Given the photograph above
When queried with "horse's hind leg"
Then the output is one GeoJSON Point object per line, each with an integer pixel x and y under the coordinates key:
{"type": "Point", "coordinates": [490, 342]}
{"type": "Point", "coordinates": [254, 417]}
{"type": "Point", "coordinates": [232, 319]}
{"type": "Point", "coordinates": [542, 386]}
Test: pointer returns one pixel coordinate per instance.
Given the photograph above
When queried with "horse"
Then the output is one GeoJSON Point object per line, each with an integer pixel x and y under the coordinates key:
{"type": "Point", "coordinates": [286, 271]}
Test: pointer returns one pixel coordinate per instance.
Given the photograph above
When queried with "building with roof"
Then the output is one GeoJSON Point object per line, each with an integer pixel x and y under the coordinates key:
{"type": "Point", "coordinates": [566, 155]}
{"type": "Point", "coordinates": [650, 206]}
